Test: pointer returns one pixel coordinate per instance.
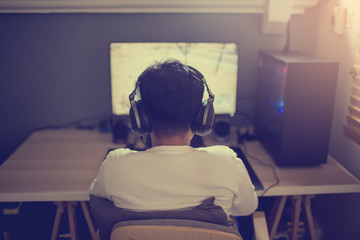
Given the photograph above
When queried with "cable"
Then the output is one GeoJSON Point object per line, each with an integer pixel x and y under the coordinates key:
{"type": "Point", "coordinates": [264, 164]}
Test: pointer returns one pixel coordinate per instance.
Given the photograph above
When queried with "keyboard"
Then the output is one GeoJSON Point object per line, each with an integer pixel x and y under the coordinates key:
{"type": "Point", "coordinates": [255, 180]}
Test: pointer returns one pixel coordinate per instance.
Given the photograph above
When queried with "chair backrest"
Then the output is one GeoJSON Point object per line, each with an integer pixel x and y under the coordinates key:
{"type": "Point", "coordinates": [172, 229]}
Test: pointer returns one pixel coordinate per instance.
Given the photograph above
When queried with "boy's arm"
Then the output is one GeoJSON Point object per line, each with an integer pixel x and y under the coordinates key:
{"type": "Point", "coordinates": [98, 186]}
{"type": "Point", "coordinates": [245, 200]}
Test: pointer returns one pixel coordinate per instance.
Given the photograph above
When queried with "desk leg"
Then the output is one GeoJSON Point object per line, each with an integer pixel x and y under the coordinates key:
{"type": "Point", "coordinates": [89, 220]}
{"type": "Point", "coordinates": [309, 218]}
{"type": "Point", "coordinates": [275, 215]}
{"type": "Point", "coordinates": [61, 206]}
{"type": "Point", "coordinates": [298, 201]}
{"type": "Point", "coordinates": [59, 211]}
{"type": "Point", "coordinates": [295, 216]}
{"type": "Point", "coordinates": [71, 209]}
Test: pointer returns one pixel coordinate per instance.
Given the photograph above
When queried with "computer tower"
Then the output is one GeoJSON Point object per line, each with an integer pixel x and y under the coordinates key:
{"type": "Point", "coordinates": [294, 106]}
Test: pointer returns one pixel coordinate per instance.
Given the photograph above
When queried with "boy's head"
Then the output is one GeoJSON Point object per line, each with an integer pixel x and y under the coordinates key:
{"type": "Point", "coordinates": [171, 96]}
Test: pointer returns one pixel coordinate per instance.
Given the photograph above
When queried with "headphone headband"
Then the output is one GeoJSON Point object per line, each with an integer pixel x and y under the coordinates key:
{"type": "Point", "coordinates": [134, 106]}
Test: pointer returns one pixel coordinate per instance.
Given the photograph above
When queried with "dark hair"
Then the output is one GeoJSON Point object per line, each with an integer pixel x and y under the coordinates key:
{"type": "Point", "coordinates": [171, 95]}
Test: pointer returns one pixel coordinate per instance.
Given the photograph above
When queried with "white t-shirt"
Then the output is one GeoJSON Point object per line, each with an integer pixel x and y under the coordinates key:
{"type": "Point", "coordinates": [176, 177]}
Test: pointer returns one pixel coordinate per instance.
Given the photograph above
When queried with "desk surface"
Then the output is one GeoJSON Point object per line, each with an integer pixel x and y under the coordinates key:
{"type": "Point", "coordinates": [59, 165]}
{"type": "Point", "coordinates": [327, 178]}
{"type": "Point", "coordinates": [54, 165]}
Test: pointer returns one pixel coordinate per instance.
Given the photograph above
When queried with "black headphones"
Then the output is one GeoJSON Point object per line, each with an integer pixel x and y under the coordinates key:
{"type": "Point", "coordinates": [201, 124]}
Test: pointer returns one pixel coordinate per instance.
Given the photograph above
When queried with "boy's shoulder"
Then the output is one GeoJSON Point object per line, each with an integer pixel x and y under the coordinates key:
{"type": "Point", "coordinates": [220, 150]}
{"type": "Point", "coordinates": [120, 152]}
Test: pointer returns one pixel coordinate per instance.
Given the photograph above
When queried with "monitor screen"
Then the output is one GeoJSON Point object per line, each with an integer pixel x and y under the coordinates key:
{"type": "Point", "coordinates": [218, 62]}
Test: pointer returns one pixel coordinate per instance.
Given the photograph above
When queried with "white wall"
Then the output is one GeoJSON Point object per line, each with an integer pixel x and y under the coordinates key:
{"type": "Point", "coordinates": [339, 215]}
{"type": "Point", "coordinates": [341, 48]}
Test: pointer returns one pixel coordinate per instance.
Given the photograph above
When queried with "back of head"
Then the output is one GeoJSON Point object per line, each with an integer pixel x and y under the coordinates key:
{"type": "Point", "coordinates": [171, 95]}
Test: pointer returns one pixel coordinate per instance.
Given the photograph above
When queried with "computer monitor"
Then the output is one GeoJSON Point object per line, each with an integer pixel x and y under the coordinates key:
{"type": "Point", "coordinates": [218, 62]}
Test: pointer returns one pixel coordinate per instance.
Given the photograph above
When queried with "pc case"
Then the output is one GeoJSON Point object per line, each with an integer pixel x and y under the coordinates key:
{"type": "Point", "coordinates": [294, 106]}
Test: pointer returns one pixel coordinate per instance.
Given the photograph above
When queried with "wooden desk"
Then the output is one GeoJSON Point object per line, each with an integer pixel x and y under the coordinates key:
{"type": "Point", "coordinates": [58, 166]}
{"type": "Point", "coordinates": [299, 183]}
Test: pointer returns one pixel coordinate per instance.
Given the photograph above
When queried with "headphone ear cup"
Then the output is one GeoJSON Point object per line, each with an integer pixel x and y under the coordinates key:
{"type": "Point", "coordinates": [140, 122]}
{"type": "Point", "coordinates": [204, 120]}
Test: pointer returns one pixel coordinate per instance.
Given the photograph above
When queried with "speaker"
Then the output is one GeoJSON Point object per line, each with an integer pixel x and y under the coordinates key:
{"type": "Point", "coordinates": [222, 130]}
{"type": "Point", "coordinates": [200, 125]}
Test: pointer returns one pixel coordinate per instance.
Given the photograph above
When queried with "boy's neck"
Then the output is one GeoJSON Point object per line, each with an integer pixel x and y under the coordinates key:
{"type": "Point", "coordinates": [171, 140]}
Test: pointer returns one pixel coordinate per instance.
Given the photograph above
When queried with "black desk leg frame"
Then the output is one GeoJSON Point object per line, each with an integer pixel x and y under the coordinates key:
{"type": "Point", "coordinates": [298, 201]}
